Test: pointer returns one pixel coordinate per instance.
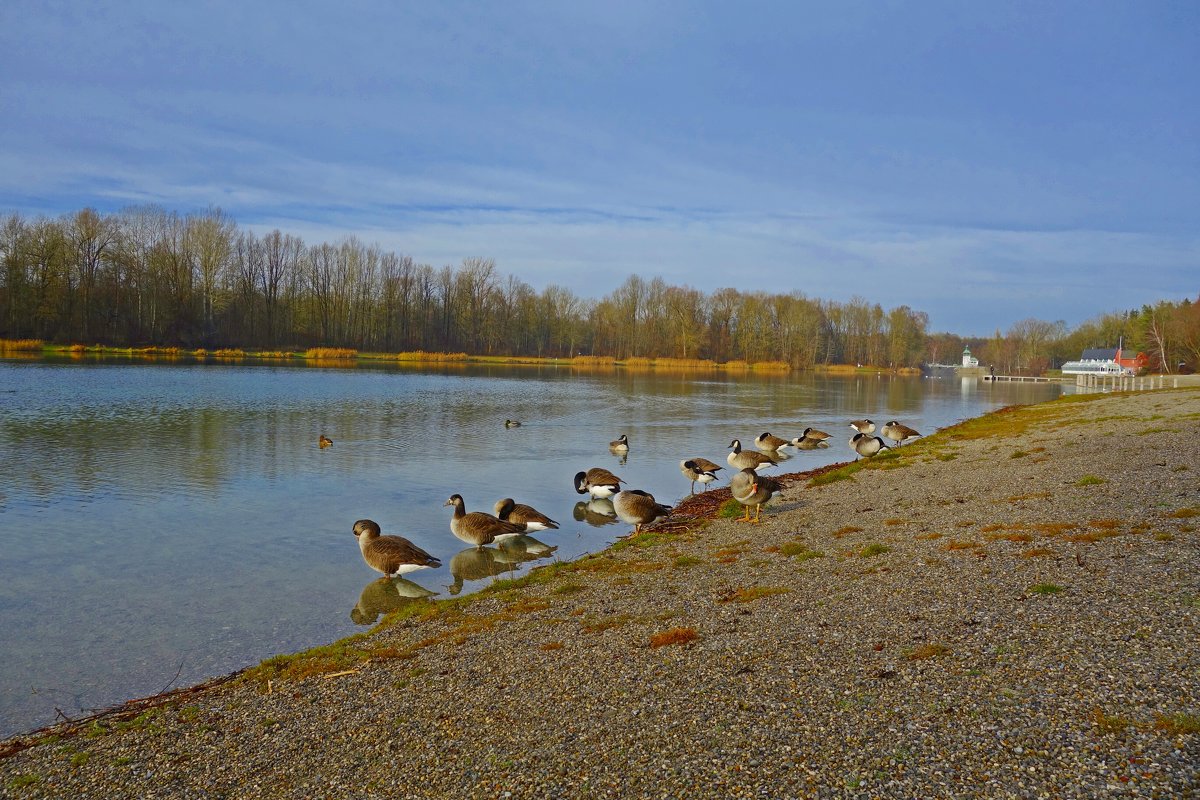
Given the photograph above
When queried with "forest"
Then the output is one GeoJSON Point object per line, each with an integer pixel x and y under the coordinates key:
{"type": "Point", "coordinates": [149, 276]}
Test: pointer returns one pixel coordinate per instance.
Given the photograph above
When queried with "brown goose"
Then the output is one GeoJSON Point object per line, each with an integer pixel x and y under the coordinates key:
{"type": "Point", "coordinates": [898, 432]}
{"type": "Point", "coordinates": [478, 528]}
{"type": "Point", "coordinates": [751, 489]}
{"type": "Point", "coordinates": [740, 459]}
{"type": "Point", "coordinates": [512, 423]}
{"type": "Point", "coordinates": [769, 443]}
{"type": "Point", "coordinates": [637, 508]}
{"type": "Point", "coordinates": [533, 520]}
{"type": "Point", "coordinates": [863, 425]}
{"type": "Point", "coordinates": [324, 441]}
{"type": "Point", "coordinates": [805, 443]}
{"type": "Point", "coordinates": [391, 555]}
{"type": "Point", "coordinates": [699, 470]}
{"type": "Point", "coordinates": [813, 433]}
{"type": "Point", "coordinates": [866, 446]}
{"type": "Point", "coordinates": [598, 482]}
{"type": "Point", "coordinates": [620, 445]}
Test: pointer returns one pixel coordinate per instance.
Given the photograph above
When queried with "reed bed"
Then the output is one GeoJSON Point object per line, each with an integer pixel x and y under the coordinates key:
{"type": "Point", "coordinates": [20, 345]}
{"type": "Point", "coordinates": [770, 366]}
{"type": "Point", "coordinates": [229, 352]}
{"type": "Point", "coordinates": [330, 353]}
{"type": "Point", "coordinates": [594, 361]}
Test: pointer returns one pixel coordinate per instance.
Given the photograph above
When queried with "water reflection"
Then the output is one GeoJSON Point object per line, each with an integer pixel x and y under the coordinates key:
{"type": "Point", "coordinates": [597, 512]}
{"type": "Point", "coordinates": [385, 595]}
{"type": "Point", "coordinates": [480, 563]}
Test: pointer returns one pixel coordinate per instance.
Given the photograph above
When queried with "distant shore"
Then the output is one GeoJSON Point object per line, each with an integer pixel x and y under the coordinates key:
{"type": "Point", "coordinates": [1006, 608]}
{"type": "Point", "coordinates": [341, 357]}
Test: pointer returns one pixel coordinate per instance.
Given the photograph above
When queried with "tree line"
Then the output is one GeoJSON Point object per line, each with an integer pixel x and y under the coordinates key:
{"type": "Point", "coordinates": [145, 275]}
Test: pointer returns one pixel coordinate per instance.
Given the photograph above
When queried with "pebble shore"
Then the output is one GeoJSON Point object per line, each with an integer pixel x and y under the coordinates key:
{"type": "Point", "coordinates": [1010, 608]}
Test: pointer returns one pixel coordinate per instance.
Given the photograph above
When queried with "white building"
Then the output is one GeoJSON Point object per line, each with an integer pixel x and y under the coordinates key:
{"type": "Point", "coordinates": [968, 359]}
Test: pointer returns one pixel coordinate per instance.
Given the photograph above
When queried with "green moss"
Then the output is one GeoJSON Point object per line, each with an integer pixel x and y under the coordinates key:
{"type": "Point", "coordinates": [1090, 480]}
{"type": "Point", "coordinates": [874, 549]}
{"type": "Point", "coordinates": [687, 561]}
{"type": "Point", "coordinates": [799, 551]}
{"type": "Point", "coordinates": [1045, 588]}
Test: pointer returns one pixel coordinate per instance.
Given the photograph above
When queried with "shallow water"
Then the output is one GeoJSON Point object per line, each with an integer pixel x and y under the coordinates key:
{"type": "Point", "coordinates": [160, 524]}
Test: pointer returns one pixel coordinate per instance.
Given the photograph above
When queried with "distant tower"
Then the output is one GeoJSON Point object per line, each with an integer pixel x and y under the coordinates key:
{"type": "Point", "coordinates": [968, 359]}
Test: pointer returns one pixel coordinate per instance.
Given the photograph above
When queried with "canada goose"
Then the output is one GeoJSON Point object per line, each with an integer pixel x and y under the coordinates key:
{"type": "Point", "coordinates": [805, 443]}
{"type": "Point", "coordinates": [521, 514]}
{"type": "Point", "coordinates": [898, 432]}
{"type": "Point", "coordinates": [620, 445]}
{"type": "Point", "coordinates": [524, 548]}
{"type": "Point", "coordinates": [863, 425]}
{"type": "Point", "coordinates": [391, 555]}
{"type": "Point", "coordinates": [699, 470]}
{"type": "Point", "coordinates": [638, 508]}
{"type": "Point", "coordinates": [598, 482]}
{"type": "Point", "coordinates": [597, 512]}
{"type": "Point", "coordinates": [866, 446]}
{"type": "Point", "coordinates": [740, 459]}
{"type": "Point", "coordinates": [768, 443]}
{"type": "Point", "coordinates": [478, 528]}
{"type": "Point", "coordinates": [511, 423]}
{"type": "Point", "coordinates": [751, 489]}
{"type": "Point", "coordinates": [813, 433]}
{"type": "Point", "coordinates": [384, 595]}
{"type": "Point", "coordinates": [324, 441]}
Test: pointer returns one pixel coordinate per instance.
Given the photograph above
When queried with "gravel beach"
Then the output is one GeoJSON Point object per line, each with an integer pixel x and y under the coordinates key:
{"type": "Point", "coordinates": [1009, 608]}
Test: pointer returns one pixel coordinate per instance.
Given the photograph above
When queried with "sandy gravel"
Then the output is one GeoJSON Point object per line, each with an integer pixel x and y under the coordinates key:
{"type": "Point", "coordinates": [881, 636]}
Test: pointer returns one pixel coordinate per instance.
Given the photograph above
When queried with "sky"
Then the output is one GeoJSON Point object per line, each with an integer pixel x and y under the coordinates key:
{"type": "Point", "coordinates": [981, 162]}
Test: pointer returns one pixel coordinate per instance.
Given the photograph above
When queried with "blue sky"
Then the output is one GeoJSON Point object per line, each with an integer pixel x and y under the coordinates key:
{"type": "Point", "coordinates": [983, 162]}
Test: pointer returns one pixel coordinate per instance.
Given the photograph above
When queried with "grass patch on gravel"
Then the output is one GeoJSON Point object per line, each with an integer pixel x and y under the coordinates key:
{"type": "Point", "coordinates": [644, 539]}
{"type": "Point", "coordinates": [1090, 480]}
{"type": "Point", "coordinates": [674, 636]}
{"type": "Point", "coordinates": [1038, 552]}
{"type": "Point", "coordinates": [1109, 723]}
{"type": "Point", "coordinates": [1016, 498]}
{"type": "Point", "coordinates": [962, 544]}
{"type": "Point", "coordinates": [751, 594]}
{"type": "Point", "coordinates": [731, 508]}
{"type": "Point", "coordinates": [845, 529]}
{"type": "Point", "coordinates": [1177, 724]}
{"type": "Point", "coordinates": [874, 549]}
{"type": "Point", "coordinates": [799, 551]}
{"type": "Point", "coordinates": [1046, 588]}
{"type": "Point", "coordinates": [684, 562]}
{"type": "Point", "coordinates": [927, 651]}
{"type": "Point", "coordinates": [1187, 512]}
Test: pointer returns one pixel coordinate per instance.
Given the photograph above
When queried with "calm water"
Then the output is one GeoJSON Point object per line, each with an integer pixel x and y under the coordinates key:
{"type": "Point", "coordinates": [164, 524]}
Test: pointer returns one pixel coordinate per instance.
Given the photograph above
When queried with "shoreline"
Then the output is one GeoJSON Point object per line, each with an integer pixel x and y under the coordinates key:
{"type": "Point", "coordinates": [868, 610]}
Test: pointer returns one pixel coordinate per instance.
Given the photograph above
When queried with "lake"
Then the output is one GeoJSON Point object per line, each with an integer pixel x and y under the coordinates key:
{"type": "Point", "coordinates": [161, 524]}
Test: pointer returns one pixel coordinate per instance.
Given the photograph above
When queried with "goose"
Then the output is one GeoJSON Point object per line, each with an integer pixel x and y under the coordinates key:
{"type": "Point", "coordinates": [620, 445]}
{"type": "Point", "coordinates": [533, 520]}
{"type": "Point", "coordinates": [863, 425]}
{"type": "Point", "coordinates": [511, 423]}
{"type": "Point", "coordinates": [768, 443]}
{"type": "Point", "coordinates": [805, 443]}
{"type": "Point", "coordinates": [598, 482]}
{"type": "Point", "coordinates": [898, 432]}
{"type": "Point", "coordinates": [866, 446]}
{"type": "Point", "coordinates": [813, 433]}
{"type": "Point", "coordinates": [324, 441]}
{"type": "Point", "coordinates": [740, 459]}
{"type": "Point", "coordinates": [699, 470]}
{"type": "Point", "coordinates": [751, 489]}
{"type": "Point", "coordinates": [478, 528]}
{"type": "Point", "coordinates": [391, 555]}
{"type": "Point", "coordinates": [637, 508]}
{"type": "Point", "coordinates": [524, 548]}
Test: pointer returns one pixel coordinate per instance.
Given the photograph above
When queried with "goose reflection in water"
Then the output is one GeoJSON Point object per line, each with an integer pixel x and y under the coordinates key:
{"type": "Point", "coordinates": [478, 563]}
{"type": "Point", "coordinates": [597, 513]}
{"type": "Point", "coordinates": [385, 595]}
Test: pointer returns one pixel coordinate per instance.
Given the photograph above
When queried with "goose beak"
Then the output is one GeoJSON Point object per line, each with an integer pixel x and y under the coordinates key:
{"type": "Point", "coordinates": [447, 503]}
